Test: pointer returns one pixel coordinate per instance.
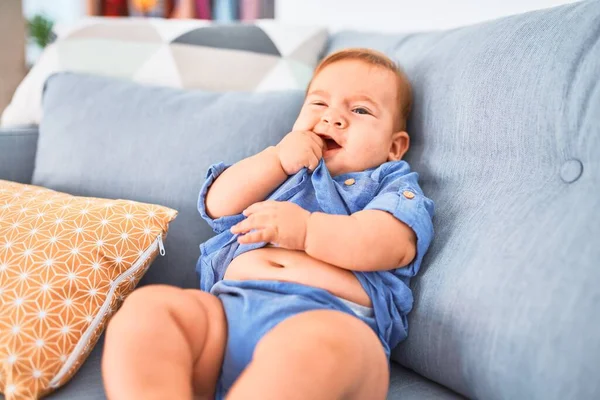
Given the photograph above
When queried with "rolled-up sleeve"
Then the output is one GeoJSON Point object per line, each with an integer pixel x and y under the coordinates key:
{"type": "Point", "coordinates": [401, 196]}
{"type": "Point", "coordinates": [220, 224]}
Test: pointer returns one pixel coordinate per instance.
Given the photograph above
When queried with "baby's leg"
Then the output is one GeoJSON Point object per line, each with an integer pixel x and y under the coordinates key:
{"type": "Point", "coordinates": [165, 343]}
{"type": "Point", "coordinates": [321, 354]}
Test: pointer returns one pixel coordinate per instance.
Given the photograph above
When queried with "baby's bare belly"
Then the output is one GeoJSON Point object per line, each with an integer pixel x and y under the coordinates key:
{"type": "Point", "coordinates": [271, 263]}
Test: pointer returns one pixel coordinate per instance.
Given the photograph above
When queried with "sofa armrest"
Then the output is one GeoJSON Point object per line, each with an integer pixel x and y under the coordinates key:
{"type": "Point", "coordinates": [17, 153]}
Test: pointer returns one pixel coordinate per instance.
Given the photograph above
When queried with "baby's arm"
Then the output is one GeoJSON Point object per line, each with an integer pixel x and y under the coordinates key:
{"type": "Point", "coordinates": [254, 178]}
{"type": "Point", "coordinates": [245, 183]}
{"type": "Point", "coordinates": [368, 240]}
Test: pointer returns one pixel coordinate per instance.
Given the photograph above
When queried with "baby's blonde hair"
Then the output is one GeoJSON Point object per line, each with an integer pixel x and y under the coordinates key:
{"type": "Point", "coordinates": [379, 59]}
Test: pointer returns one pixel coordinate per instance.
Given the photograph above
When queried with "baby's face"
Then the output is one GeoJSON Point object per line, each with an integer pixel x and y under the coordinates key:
{"type": "Point", "coordinates": [353, 106]}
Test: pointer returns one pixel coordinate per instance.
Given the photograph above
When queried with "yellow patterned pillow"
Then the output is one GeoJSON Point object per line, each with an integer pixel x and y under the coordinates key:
{"type": "Point", "coordinates": [66, 263]}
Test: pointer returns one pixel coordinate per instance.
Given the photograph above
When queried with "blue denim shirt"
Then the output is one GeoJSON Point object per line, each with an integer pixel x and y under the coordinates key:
{"type": "Point", "coordinates": [391, 187]}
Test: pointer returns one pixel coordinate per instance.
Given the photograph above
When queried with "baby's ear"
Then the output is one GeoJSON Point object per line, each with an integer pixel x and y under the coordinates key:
{"type": "Point", "coordinates": [399, 146]}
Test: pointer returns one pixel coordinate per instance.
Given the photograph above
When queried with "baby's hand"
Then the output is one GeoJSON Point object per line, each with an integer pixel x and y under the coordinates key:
{"type": "Point", "coordinates": [299, 149]}
{"type": "Point", "coordinates": [279, 222]}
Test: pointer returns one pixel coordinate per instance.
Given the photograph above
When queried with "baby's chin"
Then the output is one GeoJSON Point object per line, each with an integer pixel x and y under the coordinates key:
{"type": "Point", "coordinates": [336, 168]}
{"type": "Point", "coordinates": [339, 165]}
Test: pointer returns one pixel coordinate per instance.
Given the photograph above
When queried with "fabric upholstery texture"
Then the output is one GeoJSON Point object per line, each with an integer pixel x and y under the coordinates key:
{"type": "Point", "coordinates": [17, 153]}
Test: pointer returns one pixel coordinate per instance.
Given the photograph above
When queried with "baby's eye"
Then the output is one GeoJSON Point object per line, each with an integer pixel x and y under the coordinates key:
{"type": "Point", "coordinates": [361, 110]}
{"type": "Point", "coordinates": [318, 103]}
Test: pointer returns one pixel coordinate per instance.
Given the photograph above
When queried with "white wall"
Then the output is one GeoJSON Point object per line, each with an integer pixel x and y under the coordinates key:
{"type": "Point", "coordinates": [59, 11]}
{"type": "Point", "coordinates": [401, 15]}
{"type": "Point", "coordinates": [63, 11]}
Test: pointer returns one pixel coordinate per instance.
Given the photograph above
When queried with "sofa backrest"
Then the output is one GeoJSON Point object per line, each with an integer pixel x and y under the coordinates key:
{"type": "Point", "coordinates": [506, 135]}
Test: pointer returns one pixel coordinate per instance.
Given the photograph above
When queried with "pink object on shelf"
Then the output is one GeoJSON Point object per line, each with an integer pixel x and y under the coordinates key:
{"type": "Point", "coordinates": [203, 9]}
{"type": "Point", "coordinates": [249, 10]}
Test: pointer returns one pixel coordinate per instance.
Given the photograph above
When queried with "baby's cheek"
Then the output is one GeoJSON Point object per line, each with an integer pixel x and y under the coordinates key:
{"type": "Point", "coordinates": [365, 147]}
{"type": "Point", "coordinates": [305, 121]}
{"type": "Point", "coordinates": [297, 124]}
{"type": "Point", "coordinates": [368, 155]}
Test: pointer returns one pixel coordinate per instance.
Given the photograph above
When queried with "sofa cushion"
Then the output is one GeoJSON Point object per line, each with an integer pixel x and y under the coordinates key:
{"type": "Point", "coordinates": [17, 153]}
{"type": "Point", "coordinates": [153, 145]}
{"type": "Point", "coordinates": [193, 54]}
{"type": "Point", "coordinates": [66, 264]}
{"type": "Point", "coordinates": [506, 135]}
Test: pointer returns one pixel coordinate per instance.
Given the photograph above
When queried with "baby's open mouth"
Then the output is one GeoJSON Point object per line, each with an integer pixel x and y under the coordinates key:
{"type": "Point", "coordinates": [330, 144]}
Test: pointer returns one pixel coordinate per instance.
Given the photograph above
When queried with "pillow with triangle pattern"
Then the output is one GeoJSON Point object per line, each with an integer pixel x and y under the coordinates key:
{"type": "Point", "coordinates": [261, 55]}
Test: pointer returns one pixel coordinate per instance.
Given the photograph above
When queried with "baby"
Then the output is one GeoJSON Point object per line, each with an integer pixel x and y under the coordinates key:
{"type": "Point", "coordinates": [305, 287]}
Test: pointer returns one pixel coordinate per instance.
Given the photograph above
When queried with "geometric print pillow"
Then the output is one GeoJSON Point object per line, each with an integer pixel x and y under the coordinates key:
{"type": "Point", "coordinates": [264, 55]}
{"type": "Point", "coordinates": [66, 265]}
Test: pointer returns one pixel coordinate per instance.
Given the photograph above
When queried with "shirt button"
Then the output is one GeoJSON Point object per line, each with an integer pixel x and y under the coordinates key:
{"type": "Point", "coordinates": [408, 194]}
{"type": "Point", "coordinates": [571, 171]}
{"type": "Point", "coordinates": [349, 182]}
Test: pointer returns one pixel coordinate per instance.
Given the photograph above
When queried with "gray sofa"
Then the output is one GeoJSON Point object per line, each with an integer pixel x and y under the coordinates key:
{"type": "Point", "coordinates": [505, 137]}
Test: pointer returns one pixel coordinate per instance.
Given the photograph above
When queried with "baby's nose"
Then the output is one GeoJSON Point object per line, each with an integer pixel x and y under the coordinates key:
{"type": "Point", "coordinates": [334, 119]}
